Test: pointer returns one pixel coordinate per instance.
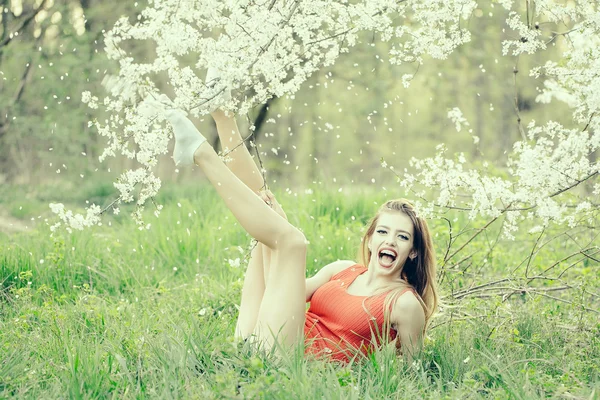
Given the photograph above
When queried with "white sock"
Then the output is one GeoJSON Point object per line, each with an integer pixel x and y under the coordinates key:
{"type": "Point", "coordinates": [187, 137]}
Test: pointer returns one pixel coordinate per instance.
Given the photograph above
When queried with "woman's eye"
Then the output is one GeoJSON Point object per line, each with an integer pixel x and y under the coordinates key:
{"type": "Point", "coordinates": [403, 237]}
{"type": "Point", "coordinates": [381, 231]}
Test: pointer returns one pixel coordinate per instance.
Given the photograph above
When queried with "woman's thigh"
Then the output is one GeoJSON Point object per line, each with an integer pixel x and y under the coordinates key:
{"type": "Point", "coordinates": [282, 310]}
{"type": "Point", "coordinates": [252, 293]}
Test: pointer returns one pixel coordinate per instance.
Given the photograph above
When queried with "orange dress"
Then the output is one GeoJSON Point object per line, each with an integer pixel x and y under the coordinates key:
{"type": "Point", "coordinates": [339, 325]}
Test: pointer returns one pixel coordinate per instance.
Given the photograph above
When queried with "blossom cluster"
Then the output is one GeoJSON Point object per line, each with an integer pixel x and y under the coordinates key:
{"type": "Point", "coordinates": [266, 49]}
{"type": "Point", "coordinates": [75, 221]}
{"type": "Point", "coordinates": [543, 173]}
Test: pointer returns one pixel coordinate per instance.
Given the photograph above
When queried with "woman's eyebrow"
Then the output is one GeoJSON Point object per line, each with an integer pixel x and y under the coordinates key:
{"type": "Point", "coordinates": [388, 228]}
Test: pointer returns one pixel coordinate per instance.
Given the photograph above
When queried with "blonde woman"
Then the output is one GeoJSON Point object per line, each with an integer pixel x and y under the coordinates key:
{"type": "Point", "coordinates": [354, 307]}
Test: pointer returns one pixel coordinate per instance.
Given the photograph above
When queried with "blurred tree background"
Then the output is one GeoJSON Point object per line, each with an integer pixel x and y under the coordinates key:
{"type": "Point", "coordinates": [335, 130]}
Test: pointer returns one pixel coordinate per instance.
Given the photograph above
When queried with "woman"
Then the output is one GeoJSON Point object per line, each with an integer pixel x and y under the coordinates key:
{"type": "Point", "coordinates": [353, 307]}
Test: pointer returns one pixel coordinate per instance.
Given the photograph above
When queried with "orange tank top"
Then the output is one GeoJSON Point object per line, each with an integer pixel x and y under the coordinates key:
{"type": "Point", "coordinates": [339, 325]}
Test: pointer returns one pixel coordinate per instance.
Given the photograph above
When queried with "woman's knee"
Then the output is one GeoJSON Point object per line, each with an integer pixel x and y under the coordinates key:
{"type": "Point", "coordinates": [292, 241]}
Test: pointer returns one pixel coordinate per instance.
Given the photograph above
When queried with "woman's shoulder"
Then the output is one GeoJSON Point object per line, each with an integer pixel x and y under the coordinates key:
{"type": "Point", "coordinates": [326, 274]}
{"type": "Point", "coordinates": [345, 267]}
{"type": "Point", "coordinates": [408, 305]}
{"type": "Point", "coordinates": [331, 270]}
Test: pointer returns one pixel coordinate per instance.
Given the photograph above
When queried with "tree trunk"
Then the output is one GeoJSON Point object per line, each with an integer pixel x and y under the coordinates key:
{"type": "Point", "coordinates": [479, 117]}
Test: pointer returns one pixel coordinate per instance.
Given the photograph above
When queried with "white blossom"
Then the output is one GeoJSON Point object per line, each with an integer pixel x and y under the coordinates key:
{"type": "Point", "coordinates": [456, 116]}
{"type": "Point", "coordinates": [263, 51]}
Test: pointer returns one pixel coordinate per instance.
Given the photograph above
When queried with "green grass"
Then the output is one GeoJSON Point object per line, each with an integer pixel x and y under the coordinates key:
{"type": "Point", "coordinates": [114, 312]}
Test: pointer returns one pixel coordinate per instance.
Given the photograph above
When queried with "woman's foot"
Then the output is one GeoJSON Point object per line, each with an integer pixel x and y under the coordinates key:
{"type": "Point", "coordinates": [220, 116]}
{"type": "Point", "coordinates": [187, 136]}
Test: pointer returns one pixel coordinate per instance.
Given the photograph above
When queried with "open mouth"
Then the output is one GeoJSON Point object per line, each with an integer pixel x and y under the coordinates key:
{"type": "Point", "coordinates": [387, 257]}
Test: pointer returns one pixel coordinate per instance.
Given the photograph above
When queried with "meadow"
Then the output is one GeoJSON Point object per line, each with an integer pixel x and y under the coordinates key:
{"type": "Point", "coordinates": [119, 312]}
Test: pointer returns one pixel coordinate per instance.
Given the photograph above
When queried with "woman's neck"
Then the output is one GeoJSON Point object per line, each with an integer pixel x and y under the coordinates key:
{"type": "Point", "coordinates": [376, 281]}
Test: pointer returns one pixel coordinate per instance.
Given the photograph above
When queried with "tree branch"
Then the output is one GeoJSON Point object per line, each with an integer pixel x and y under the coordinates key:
{"type": "Point", "coordinates": [24, 23]}
{"type": "Point", "coordinates": [516, 99]}
{"type": "Point", "coordinates": [472, 237]}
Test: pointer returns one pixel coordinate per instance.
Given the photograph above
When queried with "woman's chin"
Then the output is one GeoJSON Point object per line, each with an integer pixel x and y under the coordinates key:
{"type": "Point", "coordinates": [385, 268]}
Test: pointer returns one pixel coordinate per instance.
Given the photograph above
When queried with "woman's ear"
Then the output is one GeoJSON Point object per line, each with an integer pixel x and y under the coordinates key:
{"type": "Point", "coordinates": [412, 255]}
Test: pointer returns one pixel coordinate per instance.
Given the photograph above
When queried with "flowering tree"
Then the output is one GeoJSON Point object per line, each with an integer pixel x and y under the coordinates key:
{"type": "Point", "coordinates": [261, 50]}
{"type": "Point", "coordinates": [269, 48]}
{"type": "Point", "coordinates": [550, 179]}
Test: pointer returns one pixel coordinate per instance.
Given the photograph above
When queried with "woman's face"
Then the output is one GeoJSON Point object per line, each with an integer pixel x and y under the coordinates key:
{"type": "Point", "coordinates": [391, 243]}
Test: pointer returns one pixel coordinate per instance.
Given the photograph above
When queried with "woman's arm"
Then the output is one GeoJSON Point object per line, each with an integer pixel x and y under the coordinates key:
{"type": "Point", "coordinates": [324, 275]}
{"type": "Point", "coordinates": [408, 317]}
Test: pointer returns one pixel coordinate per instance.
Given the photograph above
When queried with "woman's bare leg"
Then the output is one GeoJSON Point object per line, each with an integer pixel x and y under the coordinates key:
{"type": "Point", "coordinates": [283, 304]}
{"type": "Point", "coordinates": [244, 167]}
{"type": "Point", "coordinates": [252, 293]}
{"type": "Point", "coordinates": [241, 163]}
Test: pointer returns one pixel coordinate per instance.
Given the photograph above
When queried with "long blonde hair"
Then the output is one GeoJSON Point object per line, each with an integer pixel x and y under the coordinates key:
{"type": "Point", "coordinates": [420, 272]}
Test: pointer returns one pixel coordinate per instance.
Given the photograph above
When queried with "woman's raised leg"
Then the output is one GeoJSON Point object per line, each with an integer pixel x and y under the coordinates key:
{"type": "Point", "coordinates": [252, 293]}
{"type": "Point", "coordinates": [243, 166]}
{"type": "Point", "coordinates": [264, 224]}
{"type": "Point", "coordinates": [241, 162]}
{"type": "Point", "coordinates": [282, 308]}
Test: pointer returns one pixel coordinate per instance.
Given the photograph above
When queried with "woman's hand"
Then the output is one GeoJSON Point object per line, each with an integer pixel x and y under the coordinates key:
{"type": "Point", "coordinates": [272, 202]}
